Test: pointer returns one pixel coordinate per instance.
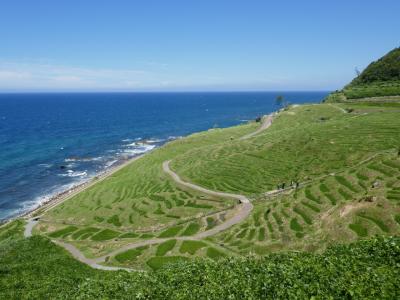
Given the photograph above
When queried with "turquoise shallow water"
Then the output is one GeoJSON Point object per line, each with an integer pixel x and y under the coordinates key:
{"type": "Point", "coordinates": [49, 142]}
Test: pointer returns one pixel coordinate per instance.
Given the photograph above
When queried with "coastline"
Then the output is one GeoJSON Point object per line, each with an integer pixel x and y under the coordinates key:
{"type": "Point", "coordinates": [62, 196]}
{"type": "Point", "coordinates": [68, 193]}
{"type": "Point", "coordinates": [37, 179]}
{"type": "Point", "coordinates": [76, 189]}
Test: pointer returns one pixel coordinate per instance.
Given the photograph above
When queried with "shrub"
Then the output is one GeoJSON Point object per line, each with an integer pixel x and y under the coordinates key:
{"type": "Point", "coordinates": [35, 268]}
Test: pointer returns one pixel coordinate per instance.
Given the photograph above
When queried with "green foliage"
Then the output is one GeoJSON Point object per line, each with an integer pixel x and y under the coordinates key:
{"type": "Point", "coordinates": [165, 247]}
{"type": "Point", "coordinates": [381, 78]}
{"type": "Point", "coordinates": [387, 68]}
{"type": "Point", "coordinates": [35, 268]}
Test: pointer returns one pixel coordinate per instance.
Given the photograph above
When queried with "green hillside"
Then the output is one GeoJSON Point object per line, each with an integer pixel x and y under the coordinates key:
{"type": "Point", "coordinates": [379, 80]}
{"type": "Point", "coordinates": [343, 157]}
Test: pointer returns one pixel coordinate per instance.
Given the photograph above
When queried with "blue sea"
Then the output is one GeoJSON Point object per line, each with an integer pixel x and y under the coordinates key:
{"type": "Point", "coordinates": [51, 142]}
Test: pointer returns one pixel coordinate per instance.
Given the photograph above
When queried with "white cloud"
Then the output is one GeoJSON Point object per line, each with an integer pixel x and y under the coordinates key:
{"type": "Point", "coordinates": [42, 75]}
{"type": "Point", "coordinates": [13, 75]}
{"type": "Point", "coordinates": [32, 76]}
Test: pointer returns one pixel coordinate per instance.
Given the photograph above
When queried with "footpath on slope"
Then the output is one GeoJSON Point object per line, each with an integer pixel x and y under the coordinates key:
{"type": "Point", "coordinates": [266, 122]}
{"type": "Point", "coordinates": [243, 210]}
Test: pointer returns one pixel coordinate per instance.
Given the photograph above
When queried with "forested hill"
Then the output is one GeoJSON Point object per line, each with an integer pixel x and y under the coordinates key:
{"type": "Point", "coordinates": [387, 68]}
{"type": "Point", "coordinates": [379, 80]}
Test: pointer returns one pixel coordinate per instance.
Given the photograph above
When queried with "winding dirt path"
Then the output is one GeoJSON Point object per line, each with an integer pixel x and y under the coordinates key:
{"type": "Point", "coordinates": [243, 210]}
{"type": "Point", "coordinates": [266, 122]}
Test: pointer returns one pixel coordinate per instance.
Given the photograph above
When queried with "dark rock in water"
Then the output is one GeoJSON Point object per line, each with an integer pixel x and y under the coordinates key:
{"type": "Point", "coordinates": [63, 167]}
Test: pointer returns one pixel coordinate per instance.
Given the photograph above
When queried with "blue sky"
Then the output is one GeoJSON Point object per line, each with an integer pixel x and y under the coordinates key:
{"type": "Point", "coordinates": [191, 45]}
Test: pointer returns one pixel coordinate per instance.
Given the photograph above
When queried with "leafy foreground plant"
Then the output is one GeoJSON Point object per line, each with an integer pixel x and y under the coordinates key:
{"type": "Point", "coordinates": [36, 268]}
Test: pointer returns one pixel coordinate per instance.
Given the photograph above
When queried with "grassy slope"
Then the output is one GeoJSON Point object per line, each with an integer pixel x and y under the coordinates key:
{"type": "Point", "coordinates": [304, 144]}
{"type": "Point", "coordinates": [37, 269]}
{"type": "Point", "coordinates": [361, 199]}
{"type": "Point", "coordinates": [138, 202]}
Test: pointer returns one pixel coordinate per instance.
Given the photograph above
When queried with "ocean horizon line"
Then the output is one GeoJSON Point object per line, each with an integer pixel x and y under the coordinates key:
{"type": "Point", "coordinates": [161, 92]}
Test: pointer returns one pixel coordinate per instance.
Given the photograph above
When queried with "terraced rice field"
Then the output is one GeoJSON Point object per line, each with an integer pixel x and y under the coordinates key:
{"type": "Point", "coordinates": [172, 250]}
{"type": "Point", "coordinates": [340, 173]}
{"type": "Point", "coordinates": [140, 202]}
{"type": "Point", "coordinates": [303, 143]}
{"type": "Point", "coordinates": [356, 203]}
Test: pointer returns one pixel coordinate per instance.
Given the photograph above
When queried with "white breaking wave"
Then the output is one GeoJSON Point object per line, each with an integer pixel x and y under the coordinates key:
{"type": "Point", "coordinates": [153, 141]}
{"type": "Point", "coordinates": [71, 173]}
{"type": "Point", "coordinates": [172, 137]}
{"type": "Point", "coordinates": [139, 149]}
{"type": "Point", "coordinates": [110, 163]}
{"type": "Point", "coordinates": [74, 159]}
{"type": "Point", "coordinates": [44, 198]}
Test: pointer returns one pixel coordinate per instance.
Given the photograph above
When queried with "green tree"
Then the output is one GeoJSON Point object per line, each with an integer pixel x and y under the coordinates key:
{"type": "Point", "coordinates": [279, 100]}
